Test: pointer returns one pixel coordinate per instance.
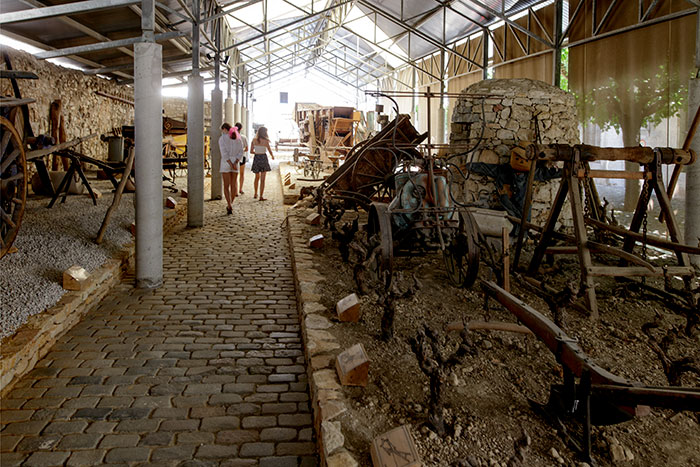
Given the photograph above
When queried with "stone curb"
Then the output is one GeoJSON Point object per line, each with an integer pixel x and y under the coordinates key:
{"type": "Point", "coordinates": [320, 350]}
{"type": "Point", "coordinates": [34, 339]}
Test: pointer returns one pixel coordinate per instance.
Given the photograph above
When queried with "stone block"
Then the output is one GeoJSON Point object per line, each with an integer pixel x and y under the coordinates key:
{"type": "Point", "coordinates": [170, 202]}
{"type": "Point", "coordinates": [385, 446]}
{"type": "Point", "coordinates": [75, 278]}
{"type": "Point", "coordinates": [331, 437]}
{"type": "Point", "coordinates": [313, 219]}
{"type": "Point", "coordinates": [316, 241]}
{"type": "Point", "coordinates": [341, 459]}
{"type": "Point", "coordinates": [348, 309]}
{"type": "Point", "coordinates": [352, 366]}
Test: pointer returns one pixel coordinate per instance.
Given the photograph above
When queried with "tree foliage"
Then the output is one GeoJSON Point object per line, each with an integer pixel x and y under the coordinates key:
{"type": "Point", "coordinates": [630, 102]}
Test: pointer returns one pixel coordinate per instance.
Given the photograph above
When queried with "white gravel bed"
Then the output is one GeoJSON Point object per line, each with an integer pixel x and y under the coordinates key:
{"type": "Point", "coordinates": [52, 240]}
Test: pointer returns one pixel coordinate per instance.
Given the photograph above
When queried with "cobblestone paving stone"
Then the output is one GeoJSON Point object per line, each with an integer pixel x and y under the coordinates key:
{"type": "Point", "coordinates": [206, 370]}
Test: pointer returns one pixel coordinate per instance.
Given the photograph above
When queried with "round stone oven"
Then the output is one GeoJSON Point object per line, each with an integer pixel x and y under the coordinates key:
{"type": "Point", "coordinates": [506, 118]}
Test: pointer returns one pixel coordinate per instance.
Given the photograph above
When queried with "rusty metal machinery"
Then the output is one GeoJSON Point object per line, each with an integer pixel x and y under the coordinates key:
{"type": "Point", "coordinates": [590, 394]}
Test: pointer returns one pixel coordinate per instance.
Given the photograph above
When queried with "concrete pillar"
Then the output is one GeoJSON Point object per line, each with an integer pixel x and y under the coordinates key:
{"type": "Point", "coordinates": [237, 114]}
{"type": "Point", "coordinates": [195, 151]}
{"type": "Point", "coordinates": [248, 124]}
{"type": "Point", "coordinates": [148, 123]}
{"type": "Point", "coordinates": [214, 133]}
{"type": "Point", "coordinates": [692, 178]}
{"type": "Point", "coordinates": [228, 111]}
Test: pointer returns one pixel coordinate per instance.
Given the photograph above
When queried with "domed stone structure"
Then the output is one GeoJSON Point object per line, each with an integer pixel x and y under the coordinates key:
{"type": "Point", "coordinates": [507, 116]}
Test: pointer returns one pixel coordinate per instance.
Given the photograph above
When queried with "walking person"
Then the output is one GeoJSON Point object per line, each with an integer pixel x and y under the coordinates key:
{"type": "Point", "coordinates": [231, 152]}
{"type": "Point", "coordinates": [245, 158]}
{"type": "Point", "coordinates": [261, 166]}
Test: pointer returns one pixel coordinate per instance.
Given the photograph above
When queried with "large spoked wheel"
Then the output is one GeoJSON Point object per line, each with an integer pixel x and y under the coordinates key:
{"type": "Point", "coordinates": [13, 175]}
{"type": "Point", "coordinates": [373, 172]}
{"type": "Point", "coordinates": [461, 255]}
{"type": "Point", "coordinates": [379, 224]}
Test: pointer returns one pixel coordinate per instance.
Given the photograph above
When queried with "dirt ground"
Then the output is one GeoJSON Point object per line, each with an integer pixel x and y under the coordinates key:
{"type": "Point", "coordinates": [487, 397]}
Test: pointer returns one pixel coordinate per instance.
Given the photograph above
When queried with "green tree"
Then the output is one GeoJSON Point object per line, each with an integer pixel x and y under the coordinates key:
{"type": "Point", "coordinates": [631, 102]}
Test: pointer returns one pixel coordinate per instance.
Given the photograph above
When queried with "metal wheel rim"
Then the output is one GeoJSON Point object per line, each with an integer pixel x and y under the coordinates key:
{"type": "Point", "coordinates": [462, 260]}
{"type": "Point", "coordinates": [379, 222]}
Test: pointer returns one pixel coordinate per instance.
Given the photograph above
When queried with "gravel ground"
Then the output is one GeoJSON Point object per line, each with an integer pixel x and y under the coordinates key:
{"type": "Point", "coordinates": [52, 240]}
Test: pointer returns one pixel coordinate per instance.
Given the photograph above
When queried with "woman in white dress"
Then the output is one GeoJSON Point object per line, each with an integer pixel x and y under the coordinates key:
{"type": "Point", "coordinates": [231, 152]}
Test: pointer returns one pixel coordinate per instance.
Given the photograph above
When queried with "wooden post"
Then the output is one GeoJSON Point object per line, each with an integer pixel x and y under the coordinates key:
{"type": "Point", "coordinates": [506, 259]}
{"type": "Point", "coordinates": [584, 254]}
{"type": "Point", "coordinates": [525, 214]}
{"type": "Point", "coordinates": [117, 196]}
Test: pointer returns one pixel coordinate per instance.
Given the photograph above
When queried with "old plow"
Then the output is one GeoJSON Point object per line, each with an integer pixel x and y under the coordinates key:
{"type": "Point", "coordinates": [589, 395]}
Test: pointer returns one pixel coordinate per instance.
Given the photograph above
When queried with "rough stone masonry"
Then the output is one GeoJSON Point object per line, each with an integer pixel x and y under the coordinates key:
{"type": "Point", "coordinates": [84, 111]}
{"type": "Point", "coordinates": [509, 117]}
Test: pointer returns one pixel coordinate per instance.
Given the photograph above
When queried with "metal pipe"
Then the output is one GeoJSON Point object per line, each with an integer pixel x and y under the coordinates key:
{"type": "Point", "coordinates": [103, 45]}
{"type": "Point", "coordinates": [61, 10]}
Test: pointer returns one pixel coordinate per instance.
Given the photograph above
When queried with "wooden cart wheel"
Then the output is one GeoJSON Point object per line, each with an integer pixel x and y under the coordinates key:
{"type": "Point", "coordinates": [13, 175]}
{"type": "Point", "coordinates": [379, 223]}
{"type": "Point", "coordinates": [374, 178]}
{"type": "Point", "coordinates": [461, 254]}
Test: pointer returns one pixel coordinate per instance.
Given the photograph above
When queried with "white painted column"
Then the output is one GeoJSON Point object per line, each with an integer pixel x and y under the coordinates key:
{"type": "Point", "coordinates": [692, 172]}
{"type": "Point", "coordinates": [237, 114]}
{"type": "Point", "coordinates": [195, 151]}
{"type": "Point", "coordinates": [214, 133]}
{"type": "Point", "coordinates": [248, 124]}
{"type": "Point", "coordinates": [148, 164]}
{"type": "Point", "coordinates": [228, 111]}
{"type": "Point", "coordinates": [228, 104]}
{"type": "Point", "coordinates": [692, 178]}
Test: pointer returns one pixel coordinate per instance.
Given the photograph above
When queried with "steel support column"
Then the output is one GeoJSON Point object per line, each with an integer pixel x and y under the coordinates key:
{"type": "Point", "coordinates": [441, 106]}
{"type": "Point", "coordinates": [692, 174]}
{"type": "Point", "coordinates": [148, 127]}
{"type": "Point", "coordinates": [556, 62]}
{"type": "Point", "coordinates": [195, 133]}
{"type": "Point", "coordinates": [215, 127]}
{"type": "Point", "coordinates": [228, 105]}
{"type": "Point", "coordinates": [485, 55]}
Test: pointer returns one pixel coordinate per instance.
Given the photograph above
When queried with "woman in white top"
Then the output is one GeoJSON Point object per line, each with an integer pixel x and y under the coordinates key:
{"type": "Point", "coordinates": [241, 169]}
{"type": "Point", "coordinates": [231, 152]}
{"type": "Point", "coordinates": [259, 147]}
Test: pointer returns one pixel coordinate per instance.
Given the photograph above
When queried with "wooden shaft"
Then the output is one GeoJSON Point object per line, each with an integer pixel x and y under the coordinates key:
{"type": "Point", "coordinates": [69, 144]}
{"type": "Point", "coordinates": [506, 259]}
{"type": "Point", "coordinates": [641, 155]}
{"type": "Point", "coordinates": [677, 169]}
{"type": "Point", "coordinates": [629, 271]}
{"type": "Point", "coordinates": [488, 326]}
{"type": "Point", "coordinates": [617, 174]}
{"type": "Point", "coordinates": [117, 196]}
{"type": "Point", "coordinates": [650, 239]}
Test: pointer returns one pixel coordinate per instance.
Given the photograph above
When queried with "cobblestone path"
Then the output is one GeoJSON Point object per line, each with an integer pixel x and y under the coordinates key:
{"type": "Point", "coordinates": [206, 370]}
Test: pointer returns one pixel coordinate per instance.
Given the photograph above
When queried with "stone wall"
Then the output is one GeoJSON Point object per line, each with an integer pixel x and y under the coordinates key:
{"type": "Point", "coordinates": [509, 117]}
{"type": "Point", "coordinates": [176, 107]}
{"type": "Point", "coordinates": [84, 112]}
